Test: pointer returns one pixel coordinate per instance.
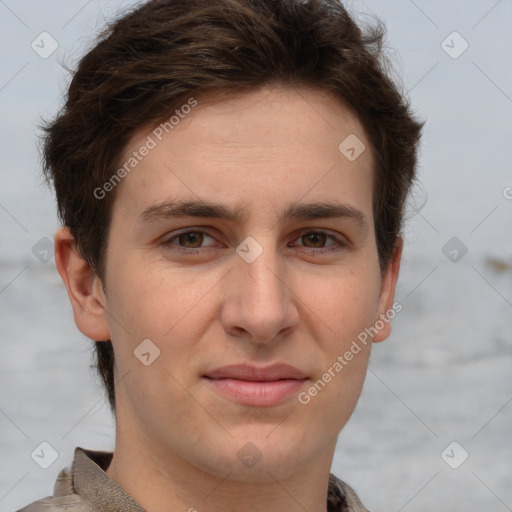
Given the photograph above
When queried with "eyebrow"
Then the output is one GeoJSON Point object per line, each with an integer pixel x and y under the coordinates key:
{"type": "Point", "coordinates": [239, 214]}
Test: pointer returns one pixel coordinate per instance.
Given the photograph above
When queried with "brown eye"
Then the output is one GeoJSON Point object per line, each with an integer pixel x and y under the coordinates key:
{"type": "Point", "coordinates": [191, 242]}
{"type": "Point", "coordinates": [191, 239]}
{"type": "Point", "coordinates": [316, 239]}
{"type": "Point", "coordinates": [320, 243]}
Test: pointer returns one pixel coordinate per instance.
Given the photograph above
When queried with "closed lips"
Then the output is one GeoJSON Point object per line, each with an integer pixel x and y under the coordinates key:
{"type": "Point", "coordinates": [251, 373]}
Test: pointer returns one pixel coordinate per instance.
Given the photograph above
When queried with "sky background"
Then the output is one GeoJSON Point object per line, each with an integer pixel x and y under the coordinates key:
{"type": "Point", "coordinates": [443, 377]}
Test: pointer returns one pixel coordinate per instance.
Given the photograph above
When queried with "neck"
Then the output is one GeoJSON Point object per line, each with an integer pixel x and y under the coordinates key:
{"type": "Point", "coordinates": [161, 481]}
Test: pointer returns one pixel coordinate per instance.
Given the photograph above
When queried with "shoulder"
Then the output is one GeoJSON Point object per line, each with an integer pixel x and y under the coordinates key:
{"type": "Point", "coordinates": [64, 498]}
{"type": "Point", "coordinates": [342, 497]}
{"type": "Point", "coordinates": [71, 503]}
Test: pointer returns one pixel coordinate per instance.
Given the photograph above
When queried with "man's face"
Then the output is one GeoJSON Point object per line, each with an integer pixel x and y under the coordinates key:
{"type": "Point", "coordinates": [298, 290]}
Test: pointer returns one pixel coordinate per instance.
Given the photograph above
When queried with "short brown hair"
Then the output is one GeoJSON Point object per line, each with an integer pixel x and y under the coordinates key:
{"type": "Point", "coordinates": [149, 62]}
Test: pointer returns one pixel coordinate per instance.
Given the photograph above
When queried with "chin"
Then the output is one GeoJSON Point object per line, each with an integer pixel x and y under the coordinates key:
{"type": "Point", "coordinates": [261, 455]}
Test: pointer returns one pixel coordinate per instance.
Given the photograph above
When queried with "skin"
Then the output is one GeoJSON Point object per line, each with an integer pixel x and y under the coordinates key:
{"type": "Point", "coordinates": [177, 438]}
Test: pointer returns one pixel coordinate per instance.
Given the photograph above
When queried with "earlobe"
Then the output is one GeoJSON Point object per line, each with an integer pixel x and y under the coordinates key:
{"type": "Point", "coordinates": [84, 287]}
{"type": "Point", "coordinates": [387, 292]}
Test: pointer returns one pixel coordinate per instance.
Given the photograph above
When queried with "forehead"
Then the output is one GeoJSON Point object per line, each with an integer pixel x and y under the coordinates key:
{"type": "Point", "coordinates": [270, 145]}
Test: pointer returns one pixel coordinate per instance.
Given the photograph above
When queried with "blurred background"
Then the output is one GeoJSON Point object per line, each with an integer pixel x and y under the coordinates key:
{"type": "Point", "coordinates": [432, 430]}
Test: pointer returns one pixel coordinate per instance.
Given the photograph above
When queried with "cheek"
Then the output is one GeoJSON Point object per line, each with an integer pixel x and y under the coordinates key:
{"type": "Point", "coordinates": [167, 308]}
{"type": "Point", "coordinates": [158, 303]}
{"type": "Point", "coordinates": [346, 300]}
{"type": "Point", "coordinates": [347, 306]}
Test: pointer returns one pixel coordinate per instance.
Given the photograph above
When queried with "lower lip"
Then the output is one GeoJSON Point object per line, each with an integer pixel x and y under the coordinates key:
{"type": "Point", "coordinates": [258, 393]}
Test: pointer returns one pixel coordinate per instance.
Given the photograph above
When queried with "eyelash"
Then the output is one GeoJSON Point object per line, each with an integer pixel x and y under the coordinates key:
{"type": "Point", "coordinates": [338, 246]}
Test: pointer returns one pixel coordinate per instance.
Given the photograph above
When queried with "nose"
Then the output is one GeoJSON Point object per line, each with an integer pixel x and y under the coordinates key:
{"type": "Point", "coordinates": [259, 303]}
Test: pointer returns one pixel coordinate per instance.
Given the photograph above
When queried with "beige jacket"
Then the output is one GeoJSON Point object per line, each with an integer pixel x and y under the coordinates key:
{"type": "Point", "coordinates": [87, 488]}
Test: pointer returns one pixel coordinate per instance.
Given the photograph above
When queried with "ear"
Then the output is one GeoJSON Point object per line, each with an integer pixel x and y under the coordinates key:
{"type": "Point", "coordinates": [84, 287]}
{"type": "Point", "coordinates": [387, 291]}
